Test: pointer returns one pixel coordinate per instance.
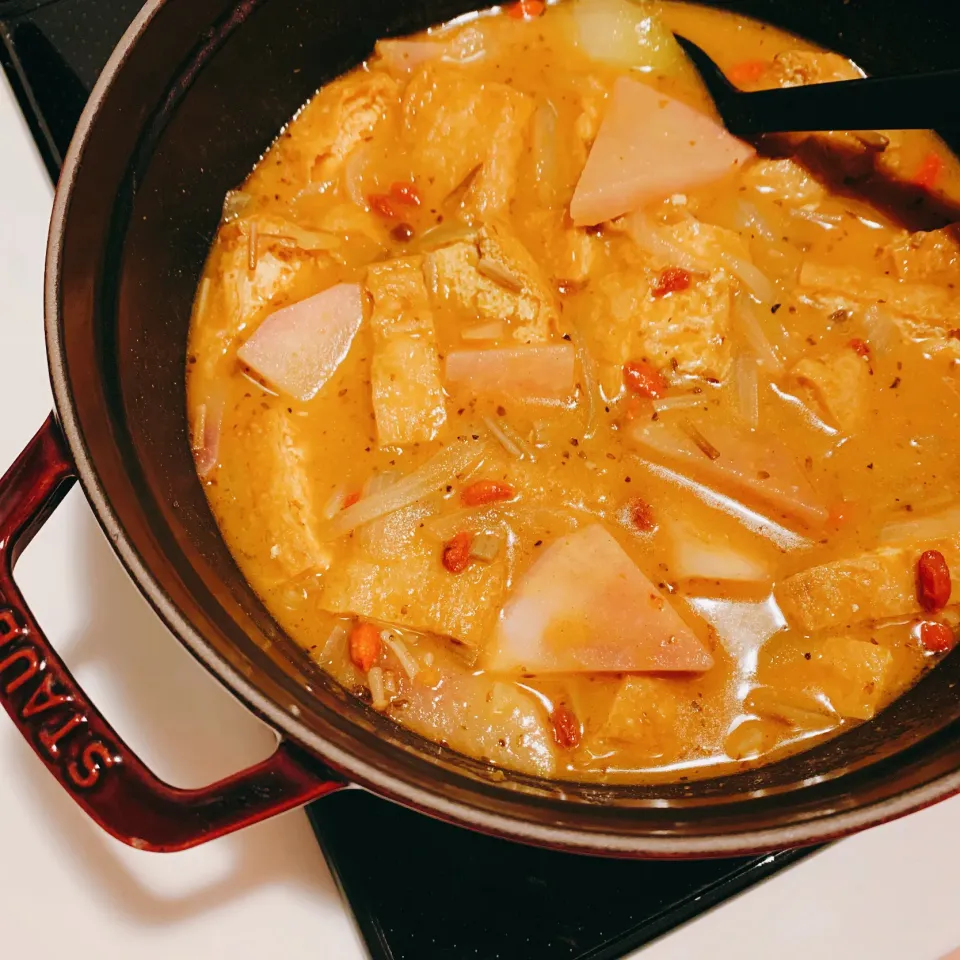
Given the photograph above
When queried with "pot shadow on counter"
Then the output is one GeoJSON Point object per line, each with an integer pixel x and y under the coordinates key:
{"type": "Point", "coordinates": [170, 711]}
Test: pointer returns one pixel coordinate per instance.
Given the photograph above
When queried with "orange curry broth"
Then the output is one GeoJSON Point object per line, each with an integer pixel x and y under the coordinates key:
{"type": "Point", "coordinates": [284, 464]}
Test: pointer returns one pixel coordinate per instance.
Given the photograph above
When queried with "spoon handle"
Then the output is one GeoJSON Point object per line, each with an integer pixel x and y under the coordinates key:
{"type": "Point", "coordinates": [913, 102]}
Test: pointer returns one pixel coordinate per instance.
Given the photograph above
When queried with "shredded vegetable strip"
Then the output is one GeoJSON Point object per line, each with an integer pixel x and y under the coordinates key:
{"type": "Point", "coordinates": [403, 655]}
{"type": "Point", "coordinates": [589, 385]}
{"type": "Point", "coordinates": [703, 444]}
{"type": "Point", "coordinates": [747, 382]}
{"type": "Point", "coordinates": [503, 439]}
{"type": "Point", "coordinates": [438, 471]}
{"type": "Point", "coordinates": [682, 402]}
{"type": "Point", "coordinates": [932, 527]}
{"type": "Point", "coordinates": [756, 339]}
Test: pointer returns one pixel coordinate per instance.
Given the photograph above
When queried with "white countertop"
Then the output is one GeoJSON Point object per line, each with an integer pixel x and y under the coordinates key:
{"type": "Point", "coordinates": [890, 894]}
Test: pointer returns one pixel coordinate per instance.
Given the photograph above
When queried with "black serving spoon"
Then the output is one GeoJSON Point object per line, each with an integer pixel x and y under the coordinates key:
{"type": "Point", "coordinates": [918, 101]}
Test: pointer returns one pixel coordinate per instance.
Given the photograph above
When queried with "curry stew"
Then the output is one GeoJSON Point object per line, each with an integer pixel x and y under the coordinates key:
{"type": "Point", "coordinates": [568, 430]}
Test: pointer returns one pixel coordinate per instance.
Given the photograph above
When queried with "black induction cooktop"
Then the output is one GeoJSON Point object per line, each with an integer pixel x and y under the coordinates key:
{"type": "Point", "coordinates": [419, 890]}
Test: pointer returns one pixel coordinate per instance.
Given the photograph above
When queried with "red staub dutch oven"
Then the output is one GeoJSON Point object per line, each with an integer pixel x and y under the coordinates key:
{"type": "Point", "coordinates": [190, 99]}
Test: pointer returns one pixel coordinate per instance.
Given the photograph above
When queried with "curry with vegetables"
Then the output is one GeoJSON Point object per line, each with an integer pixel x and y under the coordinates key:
{"type": "Point", "coordinates": [568, 430]}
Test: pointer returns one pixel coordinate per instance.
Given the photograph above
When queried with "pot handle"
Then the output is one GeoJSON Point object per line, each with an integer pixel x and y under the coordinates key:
{"type": "Point", "coordinates": [69, 734]}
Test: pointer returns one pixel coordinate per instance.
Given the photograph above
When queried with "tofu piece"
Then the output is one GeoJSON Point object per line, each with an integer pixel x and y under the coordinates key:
{"type": "Point", "coordinates": [840, 381]}
{"type": "Point", "coordinates": [417, 592]}
{"type": "Point", "coordinates": [267, 472]}
{"type": "Point", "coordinates": [459, 131]}
{"type": "Point", "coordinates": [705, 241]}
{"type": "Point", "coordinates": [495, 278]}
{"type": "Point", "coordinates": [922, 311]}
{"type": "Point", "coordinates": [343, 115]}
{"type": "Point", "coordinates": [925, 255]}
{"type": "Point", "coordinates": [855, 675]}
{"type": "Point", "coordinates": [784, 180]}
{"type": "Point", "coordinates": [567, 254]}
{"type": "Point", "coordinates": [407, 393]}
{"type": "Point", "coordinates": [646, 715]}
{"type": "Point", "coordinates": [920, 302]}
{"type": "Point", "coordinates": [878, 585]}
{"type": "Point", "coordinates": [687, 331]}
{"type": "Point", "coordinates": [575, 255]}
{"type": "Point", "coordinates": [796, 68]}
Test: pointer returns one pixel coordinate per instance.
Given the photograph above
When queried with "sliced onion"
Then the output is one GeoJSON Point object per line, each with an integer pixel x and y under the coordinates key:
{"type": "Point", "coordinates": [800, 710]}
{"type": "Point", "coordinates": [883, 334]}
{"type": "Point", "coordinates": [234, 205]}
{"type": "Point", "coordinates": [589, 373]}
{"type": "Point", "coordinates": [333, 647]}
{"type": "Point", "coordinates": [203, 299]}
{"type": "Point", "coordinates": [447, 233]}
{"type": "Point", "coordinates": [546, 161]}
{"type": "Point", "coordinates": [509, 440]}
{"type": "Point", "coordinates": [755, 337]}
{"type": "Point", "coordinates": [380, 482]}
{"type": "Point", "coordinates": [205, 441]}
{"type": "Point", "coordinates": [353, 171]}
{"type": "Point", "coordinates": [292, 235]}
{"type": "Point", "coordinates": [377, 692]}
{"type": "Point", "coordinates": [750, 275]}
{"type": "Point", "coordinates": [468, 46]}
{"type": "Point", "coordinates": [335, 504]}
{"type": "Point", "coordinates": [935, 526]}
{"type": "Point", "coordinates": [467, 518]}
{"type": "Point", "coordinates": [437, 472]}
{"type": "Point", "coordinates": [829, 221]}
{"type": "Point", "coordinates": [811, 416]}
{"type": "Point", "coordinates": [683, 401]}
{"type": "Point", "coordinates": [404, 56]}
{"type": "Point", "coordinates": [494, 330]}
{"type": "Point", "coordinates": [399, 649]}
{"type": "Point", "coordinates": [645, 234]}
{"type": "Point", "coordinates": [746, 381]}
{"type": "Point", "coordinates": [748, 217]}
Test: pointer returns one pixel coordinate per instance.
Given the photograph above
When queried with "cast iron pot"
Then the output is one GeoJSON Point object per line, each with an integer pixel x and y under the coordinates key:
{"type": "Point", "coordinates": [195, 92]}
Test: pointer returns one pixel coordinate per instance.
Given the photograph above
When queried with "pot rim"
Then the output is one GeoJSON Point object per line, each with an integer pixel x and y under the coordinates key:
{"type": "Point", "coordinates": [828, 826]}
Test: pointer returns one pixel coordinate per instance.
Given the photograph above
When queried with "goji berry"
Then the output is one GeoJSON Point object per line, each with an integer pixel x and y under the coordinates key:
{"type": "Point", "coordinates": [365, 646]}
{"type": "Point", "coordinates": [406, 193]}
{"type": "Point", "coordinates": [671, 280]}
{"type": "Point", "coordinates": [933, 580]}
{"type": "Point", "coordinates": [566, 727]}
{"type": "Point", "coordinates": [936, 637]}
{"type": "Point", "coordinates": [487, 491]}
{"type": "Point", "coordinates": [456, 553]}
{"type": "Point", "coordinates": [644, 379]}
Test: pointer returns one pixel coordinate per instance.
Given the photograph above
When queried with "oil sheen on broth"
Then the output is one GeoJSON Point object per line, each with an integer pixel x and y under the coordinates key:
{"type": "Point", "coordinates": [566, 429]}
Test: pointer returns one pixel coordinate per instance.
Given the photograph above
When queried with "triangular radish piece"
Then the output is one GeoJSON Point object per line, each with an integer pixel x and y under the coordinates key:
{"type": "Point", "coordinates": [650, 146]}
{"type": "Point", "coordinates": [297, 349]}
{"type": "Point", "coordinates": [585, 607]}
{"type": "Point", "coordinates": [755, 470]}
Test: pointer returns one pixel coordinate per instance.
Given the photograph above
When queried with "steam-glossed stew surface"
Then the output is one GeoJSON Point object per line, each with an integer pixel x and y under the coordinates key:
{"type": "Point", "coordinates": [567, 429]}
